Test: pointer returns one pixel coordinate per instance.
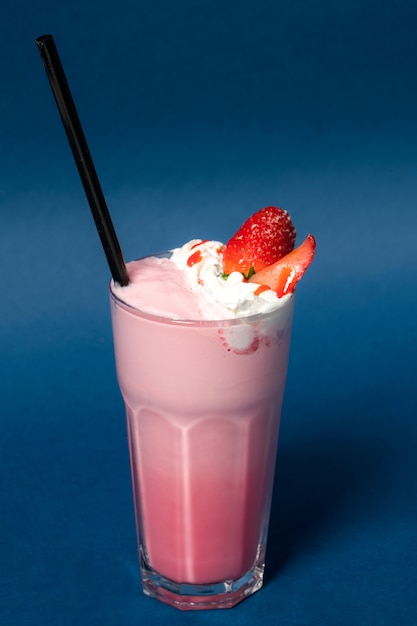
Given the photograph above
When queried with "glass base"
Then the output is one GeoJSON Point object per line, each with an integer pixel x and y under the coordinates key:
{"type": "Point", "coordinates": [190, 597]}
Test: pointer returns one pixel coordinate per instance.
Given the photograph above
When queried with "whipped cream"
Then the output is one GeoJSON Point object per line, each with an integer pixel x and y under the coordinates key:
{"type": "Point", "coordinates": [188, 283]}
{"type": "Point", "coordinates": [201, 263]}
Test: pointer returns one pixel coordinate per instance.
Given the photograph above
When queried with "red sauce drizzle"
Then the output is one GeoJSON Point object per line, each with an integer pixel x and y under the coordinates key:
{"type": "Point", "coordinates": [260, 289]}
{"type": "Point", "coordinates": [194, 258]}
{"type": "Point", "coordinates": [199, 243]}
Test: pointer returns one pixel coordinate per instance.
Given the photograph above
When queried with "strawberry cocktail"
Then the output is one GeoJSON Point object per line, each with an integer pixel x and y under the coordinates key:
{"type": "Point", "coordinates": [201, 338]}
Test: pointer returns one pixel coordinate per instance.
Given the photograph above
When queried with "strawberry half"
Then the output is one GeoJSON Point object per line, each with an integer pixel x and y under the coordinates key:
{"type": "Point", "coordinates": [263, 239]}
{"type": "Point", "coordinates": [283, 275]}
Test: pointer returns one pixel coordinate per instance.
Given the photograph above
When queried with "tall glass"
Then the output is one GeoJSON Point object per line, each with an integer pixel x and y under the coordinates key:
{"type": "Point", "coordinates": [203, 402]}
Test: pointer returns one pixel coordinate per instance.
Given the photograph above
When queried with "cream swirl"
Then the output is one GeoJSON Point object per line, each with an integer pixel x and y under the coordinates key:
{"type": "Point", "coordinates": [201, 263]}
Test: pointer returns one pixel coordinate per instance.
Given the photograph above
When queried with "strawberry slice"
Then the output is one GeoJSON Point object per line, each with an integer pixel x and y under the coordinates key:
{"type": "Point", "coordinates": [263, 239]}
{"type": "Point", "coordinates": [283, 275]}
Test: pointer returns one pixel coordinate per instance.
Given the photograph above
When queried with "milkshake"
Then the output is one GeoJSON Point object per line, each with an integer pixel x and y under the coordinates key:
{"type": "Point", "coordinates": [201, 339]}
{"type": "Point", "coordinates": [201, 359]}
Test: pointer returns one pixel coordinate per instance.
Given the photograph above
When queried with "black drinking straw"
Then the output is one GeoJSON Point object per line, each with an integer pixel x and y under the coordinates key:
{"type": "Point", "coordinates": [82, 157]}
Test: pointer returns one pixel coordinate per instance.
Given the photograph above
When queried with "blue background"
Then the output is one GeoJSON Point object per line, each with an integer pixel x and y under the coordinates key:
{"type": "Point", "coordinates": [197, 114]}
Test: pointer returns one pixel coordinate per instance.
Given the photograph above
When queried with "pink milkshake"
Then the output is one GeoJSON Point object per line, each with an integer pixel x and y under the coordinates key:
{"type": "Point", "coordinates": [201, 361]}
{"type": "Point", "coordinates": [201, 341]}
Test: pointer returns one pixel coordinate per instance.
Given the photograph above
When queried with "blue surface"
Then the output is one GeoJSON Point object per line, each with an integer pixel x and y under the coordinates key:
{"type": "Point", "coordinates": [197, 114]}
